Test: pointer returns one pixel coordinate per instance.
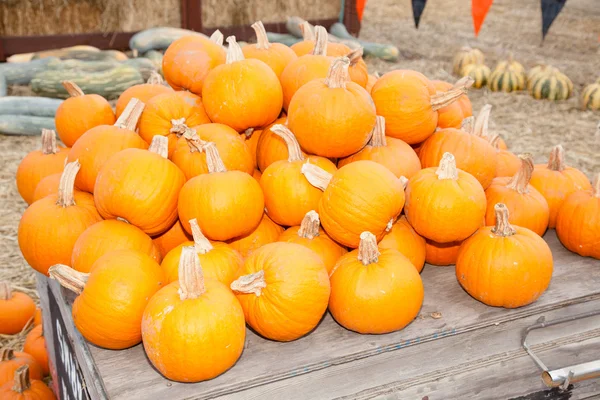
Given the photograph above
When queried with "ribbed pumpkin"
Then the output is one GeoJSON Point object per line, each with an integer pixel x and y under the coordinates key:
{"type": "Point", "coordinates": [526, 206]}
{"type": "Point", "coordinates": [466, 56]}
{"type": "Point", "coordinates": [445, 204]}
{"type": "Point", "coordinates": [226, 204]}
{"type": "Point", "coordinates": [409, 103]}
{"type": "Point", "coordinates": [219, 260]}
{"type": "Point", "coordinates": [590, 97]}
{"type": "Point", "coordinates": [452, 115]}
{"type": "Point", "coordinates": [251, 138]}
{"type": "Point", "coordinates": [372, 79]}
{"type": "Point", "coordinates": [266, 232]}
{"type": "Point", "coordinates": [106, 236]}
{"type": "Point", "coordinates": [80, 113]}
{"type": "Point", "coordinates": [39, 164]}
{"type": "Point", "coordinates": [16, 309]}
{"type": "Point", "coordinates": [310, 35]}
{"type": "Point", "coordinates": [392, 153]}
{"type": "Point", "coordinates": [47, 186]}
{"type": "Point", "coordinates": [96, 146]}
{"type": "Point", "coordinates": [35, 345]}
{"type": "Point", "coordinates": [190, 158]}
{"type": "Point", "coordinates": [402, 237]}
{"type": "Point", "coordinates": [284, 290]}
{"type": "Point", "coordinates": [332, 117]}
{"type": "Point", "coordinates": [310, 235]}
{"type": "Point", "coordinates": [504, 265]}
{"type": "Point", "coordinates": [276, 55]}
{"type": "Point", "coordinates": [11, 360]}
{"type": "Point", "coordinates": [270, 147]}
{"type": "Point", "coordinates": [103, 318]}
{"type": "Point", "coordinates": [252, 102]}
{"type": "Point", "coordinates": [549, 83]}
{"type": "Point", "coordinates": [375, 290]}
{"type": "Point", "coordinates": [22, 387]}
{"type": "Point", "coordinates": [441, 254]}
{"type": "Point", "coordinates": [479, 72]}
{"type": "Point", "coordinates": [466, 105]}
{"type": "Point", "coordinates": [37, 317]}
{"type": "Point", "coordinates": [203, 333]}
{"type": "Point", "coordinates": [354, 188]}
{"type": "Point", "coordinates": [357, 70]}
{"type": "Point", "coordinates": [188, 61]}
{"type": "Point", "coordinates": [556, 180]}
{"type": "Point", "coordinates": [288, 195]}
{"type": "Point", "coordinates": [578, 221]}
{"type": "Point", "coordinates": [507, 163]}
{"type": "Point", "coordinates": [50, 227]}
{"type": "Point", "coordinates": [143, 92]}
{"type": "Point", "coordinates": [508, 76]}
{"type": "Point", "coordinates": [171, 238]}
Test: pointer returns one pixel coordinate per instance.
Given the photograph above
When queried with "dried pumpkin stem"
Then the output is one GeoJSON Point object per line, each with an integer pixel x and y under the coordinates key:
{"type": "Point", "coordinates": [194, 142]}
{"type": "Point", "coordinates": [441, 100]}
{"type": "Point", "coordinates": [378, 134]}
{"type": "Point", "coordinates": [201, 243]}
{"type": "Point", "coordinates": [262, 42]}
{"type": "Point", "coordinates": [69, 278]}
{"type": "Point", "coordinates": [338, 73]}
{"type": "Point", "coordinates": [596, 186]}
{"type": "Point", "coordinates": [368, 253]}
{"type": "Point", "coordinates": [66, 185]}
{"type": "Point", "coordinates": [308, 31]}
{"type": "Point", "coordinates": [217, 37]}
{"type": "Point", "coordinates": [49, 142]}
{"type": "Point", "coordinates": [403, 181]}
{"type": "Point", "coordinates": [72, 89]}
{"type": "Point", "coordinates": [482, 122]}
{"type": "Point", "coordinates": [556, 162]}
{"type": "Point", "coordinates": [22, 381]}
{"type": "Point", "coordinates": [179, 128]}
{"type": "Point", "coordinates": [355, 55]}
{"type": "Point", "coordinates": [160, 146]}
{"type": "Point", "coordinates": [520, 180]}
{"type": "Point", "coordinates": [316, 176]}
{"type": "Point", "coordinates": [309, 227]}
{"type": "Point", "coordinates": [467, 125]}
{"type": "Point", "coordinates": [320, 41]}
{"type": "Point", "coordinates": [234, 51]}
{"type": "Point", "coordinates": [503, 227]}
{"type": "Point", "coordinates": [191, 278]}
{"type": "Point", "coordinates": [155, 79]}
{"type": "Point", "coordinates": [294, 151]}
{"type": "Point", "coordinates": [6, 354]}
{"type": "Point", "coordinates": [495, 141]}
{"type": "Point", "coordinates": [447, 168]}
{"type": "Point", "coordinates": [248, 132]}
{"type": "Point", "coordinates": [252, 283]}
{"type": "Point", "coordinates": [213, 159]}
{"type": "Point", "coordinates": [5, 291]}
{"type": "Point", "coordinates": [130, 116]}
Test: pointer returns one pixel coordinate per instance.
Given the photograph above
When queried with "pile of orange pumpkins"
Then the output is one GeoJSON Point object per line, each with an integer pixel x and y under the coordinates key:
{"type": "Point", "coordinates": [266, 184]}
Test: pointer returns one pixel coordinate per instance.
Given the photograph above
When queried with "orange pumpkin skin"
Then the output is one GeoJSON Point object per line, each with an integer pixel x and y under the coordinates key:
{"type": "Point", "coordinates": [308, 46]}
{"type": "Point", "coordinates": [270, 147]}
{"type": "Point", "coordinates": [188, 61]}
{"type": "Point", "coordinates": [276, 55]}
{"type": "Point", "coordinates": [266, 232]}
{"type": "Point", "coordinates": [22, 387]}
{"type": "Point", "coordinates": [143, 92]}
{"type": "Point", "coordinates": [171, 238]}
{"type": "Point", "coordinates": [10, 361]}
{"type": "Point", "coordinates": [35, 345]}
{"type": "Point", "coordinates": [507, 163]}
{"type": "Point", "coordinates": [37, 317]}
{"type": "Point", "coordinates": [371, 79]}
{"type": "Point", "coordinates": [465, 104]}
{"type": "Point", "coordinates": [301, 71]}
{"type": "Point", "coordinates": [16, 309]}
{"type": "Point", "coordinates": [107, 236]}
{"type": "Point", "coordinates": [251, 140]}
{"type": "Point", "coordinates": [403, 238]}
{"type": "Point", "coordinates": [293, 295]}
{"type": "Point", "coordinates": [257, 175]}
{"type": "Point", "coordinates": [504, 266]}
{"type": "Point", "coordinates": [441, 254]}
{"type": "Point", "coordinates": [47, 186]}
{"type": "Point", "coordinates": [379, 295]}
{"type": "Point", "coordinates": [452, 115]}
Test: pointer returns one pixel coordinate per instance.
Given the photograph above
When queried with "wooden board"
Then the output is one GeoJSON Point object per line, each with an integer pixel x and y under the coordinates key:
{"type": "Point", "coordinates": [471, 349]}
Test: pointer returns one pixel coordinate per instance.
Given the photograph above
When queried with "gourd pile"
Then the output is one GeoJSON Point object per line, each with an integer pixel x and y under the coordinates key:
{"type": "Point", "coordinates": [270, 184]}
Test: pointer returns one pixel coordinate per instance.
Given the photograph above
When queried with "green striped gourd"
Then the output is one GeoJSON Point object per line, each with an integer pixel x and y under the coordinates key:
{"type": "Point", "coordinates": [590, 98]}
{"type": "Point", "coordinates": [479, 72]}
{"type": "Point", "coordinates": [466, 56]}
{"type": "Point", "coordinates": [24, 124]}
{"type": "Point", "coordinates": [508, 76]}
{"type": "Point", "coordinates": [550, 84]}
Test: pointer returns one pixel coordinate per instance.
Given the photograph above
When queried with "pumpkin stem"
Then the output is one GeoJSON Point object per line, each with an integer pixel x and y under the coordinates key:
{"type": "Point", "coordinates": [191, 278]}
{"type": "Point", "coordinates": [294, 151]}
{"type": "Point", "coordinates": [22, 382]}
{"type": "Point", "coordinates": [447, 168]}
{"type": "Point", "coordinates": [520, 180]}
{"type": "Point", "coordinates": [556, 162]}
{"type": "Point", "coordinates": [66, 185]}
{"type": "Point", "coordinates": [441, 100]}
{"type": "Point", "coordinates": [234, 51]}
{"type": "Point", "coordinates": [5, 291]}
{"type": "Point", "coordinates": [503, 227]}
{"type": "Point", "coordinates": [309, 228]}
{"type": "Point", "coordinates": [378, 133]}
{"type": "Point", "coordinates": [467, 124]}
{"type": "Point", "coordinates": [6, 354]}
{"type": "Point", "coordinates": [201, 243]}
{"type": "Point", "coordinates": [338, 73]}
{"type": "Point", "coordinates": [596, 186]}
{"type": "Point", "coordinates": [403, 181]}
{"type": "Point", "coordinates": [68, 277]}
{"type": "Point", "coordinates": [213, 159]}
{"type": "Point", "coordinates": [320, 41]}
{"type": "Point", "coordinates": [179, 128]}
{"type": "Point", "coordinates": [72, 89]}
{"type": "Point", "coordinates": [217, 37]}
{"type": "Point", "coordinates": [130, 116]}
{"type": "Point", "coordinates": [248, 132]}
{"type": "Point", "coordinates": [252, 283]}
{"type": "Point", "coordinates": [155, 79]}
{"type": "Point", "coordinates": [262, 41]}
{"type": "Point", "coordinates": [495, 141]}
{"type": "Point", "coordinates": [49, 142]}
{"type": "Point", "coordinates": [368, 253]}
{"type": "Point", "coordinates": [308, 32]}
{"type": "Point", "coordinates": [160, 146]}
{"type": "Point", "coordinates": [316, 176]}
{"type": "Point", "coordinates": [355, 55]}
{"type": "Point", "coordinates": [482, 122]}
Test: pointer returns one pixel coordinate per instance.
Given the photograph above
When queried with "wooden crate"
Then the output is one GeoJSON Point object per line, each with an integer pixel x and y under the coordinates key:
{"type": "Point", "coordinates": [470, 351]}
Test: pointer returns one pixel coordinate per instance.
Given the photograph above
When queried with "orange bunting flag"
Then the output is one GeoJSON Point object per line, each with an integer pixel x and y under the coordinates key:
{"type": "Point", "coordinates": [479, 9]}
{"type": "Point", "coordinates": [360, 7]}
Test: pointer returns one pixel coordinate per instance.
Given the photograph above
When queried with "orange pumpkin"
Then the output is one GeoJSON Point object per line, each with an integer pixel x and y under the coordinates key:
{"type": "Point", "coordinates": [445, 204]}
{"type": "Point", "coordinates": [251, 137]}
{"type": "Point", "coordinates": [578, 221]}
{"type": "Point", "coordinates": [255, 99]}
{"type": "Point", "coordinates": [270, 147]}
{"type": "Point", "coordinates": [35, 345]}
{"type": "Point", "coordinates": [37, 317]}
{"type": "Point", "coordinates": [332, 117]}
{"type": "Point", "coordinates": [284, 289]}
{"type": "Point", "coordinates": [375, 290]}
{"type": "Point", "coordinates": [402, 237]}
{"type": "Point", "coordinates": [466, 106]}
{"type": "Point", "coordinates": [226, 204]}
{"type": "Point", "coordinates": [257, 175]}
{"type": "Point", "coordinates": [39, 164]}
{"type": "Point", "coordinates": [354, 188]}
{"type": "Point", "coordinates": [50, 227]}
{"type": "Point", "coordinates": [266, 232]}
{"type": "Point", "coordinates": [310, 235]}
{"type": "Point", "coordinates": [526, 206]}
{"type": "Point", "coordinates": [11, 360]}
{"type": "Point", "coordinates": [218, 260]}
{"type": "Point", "coordinates": [16, 310]}
{"type": "Point", "coordinates": [556, 180]}
{"type": "Point", "coordinates": [392, 153]}
{"type": "Point", "coordinates": [452, 115]}
{"type": "Point", "coordinates": [204, 325]}
{"type": "Point", "coordinates": [47, 186]}
{"type": "Point", "coordinates": [310, 36]}
{"type": "Point", "coordinates": [143, 92]}
{"type": "Point", "coordinates": [21, 387]}
{"type": "Point", "coordinates": [140, 187]}
{"type": "Point", "coordinates": [102, 318]}
{"type": "Point", "coordinates": [96, 146]}
{"type": "Point", "coordinates": [80, 113]}
{"type": "Point", "coordinates": [171, 238]}
{"type": "Point", "coordinates": [507, 163]}
{"type": "Point", "coordinates": [409, 103]}
{"type": "Point", "coordinates": [371, 82]}
{"type": "Point", "coordinates": [441, 254]}
{"type": "Point", "coordinates": [358, 68]}
{"type": "Point", "coordinates": [276, 55]}
{"type": "Point", "coordinates": [504, 265]}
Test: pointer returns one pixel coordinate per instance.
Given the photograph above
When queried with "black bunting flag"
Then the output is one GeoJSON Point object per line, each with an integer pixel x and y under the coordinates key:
{"type": "Point", "coordinates": [418, 6]}
{"type": "Point", "coordinates": [550, 9]}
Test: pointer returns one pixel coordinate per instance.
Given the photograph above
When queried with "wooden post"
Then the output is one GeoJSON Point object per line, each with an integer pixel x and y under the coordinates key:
{"type": "Point", "coordinates": [351, 17]}
{"type": "Point", "coordinates": [191, 15]}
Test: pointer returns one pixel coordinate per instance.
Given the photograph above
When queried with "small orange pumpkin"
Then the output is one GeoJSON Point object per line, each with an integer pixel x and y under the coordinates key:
{"type": "Point", "coordinates": [402, 237]}
{"type": "Point", "coordinates": [22, 387]}
{"type": "Point", "coordinates": [276, 55]}
{"type": "Point", "coordinates": [80, 113]}
{"type": "Point", "coordinates": [257, 175]}
{"type": "Point", "coordinates": [507, 163]}
{"type": "Point", "coordinates": [452, 115]}
{"type": "Point", "coordinates": [251, 137]}
{"type": "Point", "coordinates": [375, 290]}
{"type": "Point", "coordinates": [37, 317]}
{"type": "Point", "coordinates": [266, 232]}
{"type": "Point", "coordinates": [310, 36]}
{"type": "Point", "coordinates": [143, 92]}
{"type": "Point", "coordinates": [441, 254]}
{"type": "Point", "coordinates": [16, 310]}
{"type": "Point", "coordinates": [11, 360]}
{"type": "Point", "coordinates": [35, 345]}
{"type": "Point", "coordinates": [47, 186]}
{"type": "Point", "coordinates": [504, 265]}
{"type": "Point", "coordinates": [358, 68]}
{"type": "Point", "coordinates": [171, 238]}
{"type": "Point", "coordinates": [270, 147]}
{"type": "Point", "coordinates": [371, 82]}
{"type": "Point", "coordinates": [465, 104]}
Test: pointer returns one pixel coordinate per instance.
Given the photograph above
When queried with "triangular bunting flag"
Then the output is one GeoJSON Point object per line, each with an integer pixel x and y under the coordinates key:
{"type": "Point", "coordinates": [550, 9]}
{"type": "Point", "coordinates": [479, 9]}
{"type": "Point", "coordinates": [360, 7]}
{"type": "Point", "coordinates": [418, 6]}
